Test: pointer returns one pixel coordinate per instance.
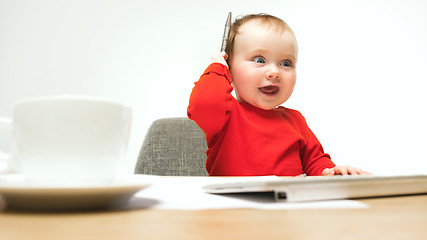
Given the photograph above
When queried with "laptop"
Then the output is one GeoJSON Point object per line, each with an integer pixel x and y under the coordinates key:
{"type": "Point", "coordinates": [313, 188]}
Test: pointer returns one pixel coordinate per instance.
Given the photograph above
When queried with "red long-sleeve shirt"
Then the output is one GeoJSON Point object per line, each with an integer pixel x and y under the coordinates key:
{"type": "Point", "coordinates": [244, 140]}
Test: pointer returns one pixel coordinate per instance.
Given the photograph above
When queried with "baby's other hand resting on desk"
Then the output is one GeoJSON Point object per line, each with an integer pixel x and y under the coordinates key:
{"type": "Point", "coordinates": [344, 170]}
{"type": "Point", "coordinates": [220, 58]}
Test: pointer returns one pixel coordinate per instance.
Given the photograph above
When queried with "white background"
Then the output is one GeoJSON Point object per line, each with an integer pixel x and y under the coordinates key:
{"type": "Point", "coordinates": [361, 70]}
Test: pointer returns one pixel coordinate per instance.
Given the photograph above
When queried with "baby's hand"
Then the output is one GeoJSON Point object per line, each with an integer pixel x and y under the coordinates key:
{"type": "Point", "coordinates": [220, 58]}
{"type": "Point", "coordinates": [344, 170]}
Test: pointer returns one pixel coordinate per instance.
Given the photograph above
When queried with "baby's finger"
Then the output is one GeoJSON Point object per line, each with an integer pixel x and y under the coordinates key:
{"type": "Point", "coordinates": [359, 171]}
{"type": "Point", "coordinates": [342, 170]}
{"type": "Point", "coordinates": [353, 170]}
{"type": "Point", "coordinates": [366, 173]}
{"type": "Point", "coordinates": [328, 172]}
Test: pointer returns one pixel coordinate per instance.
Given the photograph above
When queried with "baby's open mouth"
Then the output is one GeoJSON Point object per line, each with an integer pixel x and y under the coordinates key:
{"type": "Point", "coordinates": [269, 90]}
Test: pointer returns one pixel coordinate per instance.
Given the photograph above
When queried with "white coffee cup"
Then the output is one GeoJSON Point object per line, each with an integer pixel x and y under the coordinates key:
{"type": "Point", "coordinates": [67, 138]}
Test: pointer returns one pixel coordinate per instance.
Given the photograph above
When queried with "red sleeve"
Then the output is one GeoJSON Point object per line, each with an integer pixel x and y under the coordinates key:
{"type": "Point", "coordinates": [314, 159]}
{"type": "Point", "coordinates": [211, 100]}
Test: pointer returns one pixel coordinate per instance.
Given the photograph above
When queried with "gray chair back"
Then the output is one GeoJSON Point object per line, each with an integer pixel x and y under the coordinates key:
{"type": "Point", "coordinates": [173, 147]}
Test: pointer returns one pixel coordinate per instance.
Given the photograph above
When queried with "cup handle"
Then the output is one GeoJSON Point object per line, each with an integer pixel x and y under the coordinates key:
{"type": "Point", "coordinates": [5, 135]}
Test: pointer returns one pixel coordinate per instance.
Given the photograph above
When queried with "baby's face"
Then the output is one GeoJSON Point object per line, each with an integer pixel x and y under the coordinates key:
{"type": "Point", "coordinates": [263, 65]}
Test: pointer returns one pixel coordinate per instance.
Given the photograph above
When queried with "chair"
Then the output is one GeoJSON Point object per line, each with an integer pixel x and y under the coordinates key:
{"type": "Point", "coordinates": [173, 147]}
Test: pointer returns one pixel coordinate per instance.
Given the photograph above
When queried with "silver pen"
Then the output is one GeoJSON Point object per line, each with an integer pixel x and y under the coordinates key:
{"type": "Point", "coordinates": [226, 32]}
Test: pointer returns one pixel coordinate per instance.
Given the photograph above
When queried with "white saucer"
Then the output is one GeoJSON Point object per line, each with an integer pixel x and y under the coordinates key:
{"type": "Point", "coordinates": [17, 192]}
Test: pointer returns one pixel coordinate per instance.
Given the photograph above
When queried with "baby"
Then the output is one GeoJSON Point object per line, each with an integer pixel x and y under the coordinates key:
{"type": "Point", "coordinates": [252, 135]}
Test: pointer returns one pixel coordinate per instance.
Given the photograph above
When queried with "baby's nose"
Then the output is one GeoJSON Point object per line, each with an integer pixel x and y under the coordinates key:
{"type": "Point", "coordinates": [272, 73]}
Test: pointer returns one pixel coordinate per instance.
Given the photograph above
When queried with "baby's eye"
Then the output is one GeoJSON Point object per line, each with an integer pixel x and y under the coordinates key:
{"type": "Point", "coordinates": [286, 63]}
{"type": "Point", "coordinates": [259, 60]}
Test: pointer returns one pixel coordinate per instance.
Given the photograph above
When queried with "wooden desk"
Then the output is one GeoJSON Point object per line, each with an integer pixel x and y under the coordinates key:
{"type": "Point", "coordinates": [386, 218]}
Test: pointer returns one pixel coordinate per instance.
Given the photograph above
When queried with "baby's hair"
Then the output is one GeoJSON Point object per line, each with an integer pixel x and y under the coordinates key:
{"type": "Point", "coordinates": [273, 22]}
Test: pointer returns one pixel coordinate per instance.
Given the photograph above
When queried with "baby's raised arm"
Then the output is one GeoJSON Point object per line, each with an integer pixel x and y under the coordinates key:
{"type": "Point", "coordinates": [211, 100]}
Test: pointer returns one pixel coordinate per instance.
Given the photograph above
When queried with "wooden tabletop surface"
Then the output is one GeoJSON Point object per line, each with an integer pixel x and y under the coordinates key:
{"type": "Point", "coordinates": [388, 218]}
